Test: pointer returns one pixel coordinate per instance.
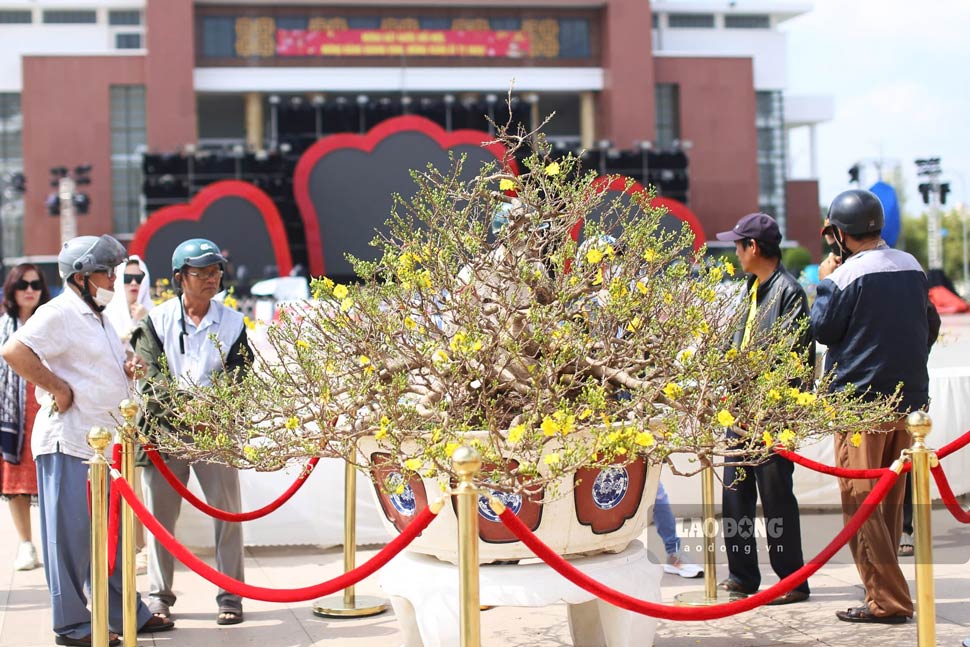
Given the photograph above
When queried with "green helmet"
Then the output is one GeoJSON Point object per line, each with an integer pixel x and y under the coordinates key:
{"type": "Point", "coordinates": [196, 252]}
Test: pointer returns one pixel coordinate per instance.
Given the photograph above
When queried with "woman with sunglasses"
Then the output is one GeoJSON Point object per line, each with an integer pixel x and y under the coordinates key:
{"type": "Point", "coordinates": [23, 291]}
{"type": "Point", "coordinates": [131, 280]}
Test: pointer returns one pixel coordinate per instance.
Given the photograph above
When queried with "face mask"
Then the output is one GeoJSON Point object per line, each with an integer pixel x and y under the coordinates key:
{"type": "Point", "coordinates": [103, 297]}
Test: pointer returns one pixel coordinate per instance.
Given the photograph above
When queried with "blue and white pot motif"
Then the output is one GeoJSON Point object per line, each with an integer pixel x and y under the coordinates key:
{"type": "Point", "coordinates": [403, 502]}
{"type": "Point", "coordinates": [610, 486]}
{"type": "Point", "coordinates": [511, 501]}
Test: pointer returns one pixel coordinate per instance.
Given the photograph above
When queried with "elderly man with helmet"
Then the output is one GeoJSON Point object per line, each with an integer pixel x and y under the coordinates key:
{"type": "Point", "coordinates": [873, 312]}
{"type": "Point", "coordinates": [182, 331]}
{"type": "Point", "coordinates": [73, 355]}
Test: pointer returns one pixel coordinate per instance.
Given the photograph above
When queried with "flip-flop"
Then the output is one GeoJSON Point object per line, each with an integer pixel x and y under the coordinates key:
{"type": "Point", "coordinates": [229, 617]}
{"type": "Point", "coordinates": [863, 614]}
{"type": "Point", "coordinates": [906, 546]}
{"type": "Point", "coordinates": [156, 624]}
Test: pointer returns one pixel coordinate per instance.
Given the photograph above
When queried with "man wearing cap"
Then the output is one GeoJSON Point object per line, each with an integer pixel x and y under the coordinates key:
{"type": "Point", "coordinates": [771, 294]}
{"type": "Point", "coordinates": [73, 355]}
{"type": "Point", "coordinates": [175, 341]}
{"type": "Point", "coordinates": [873, 312]}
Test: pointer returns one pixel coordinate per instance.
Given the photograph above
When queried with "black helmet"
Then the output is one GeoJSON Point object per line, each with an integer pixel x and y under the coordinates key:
{"type": "Point", "coordinates": [856, 212]}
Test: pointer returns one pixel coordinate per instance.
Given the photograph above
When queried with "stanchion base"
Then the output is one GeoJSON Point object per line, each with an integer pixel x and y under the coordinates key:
{"type": "Point", "coordinates": [700, 598]}
{"type": "Point", "coordinates": [364, 606]}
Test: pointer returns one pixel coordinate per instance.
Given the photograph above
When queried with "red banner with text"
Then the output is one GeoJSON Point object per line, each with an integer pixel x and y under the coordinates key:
{"type": "Point", "coordinates": [423, 42]}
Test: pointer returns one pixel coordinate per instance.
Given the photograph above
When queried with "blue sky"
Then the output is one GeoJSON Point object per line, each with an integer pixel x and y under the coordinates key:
{"type": "Point", "coordinates": [899, 73]}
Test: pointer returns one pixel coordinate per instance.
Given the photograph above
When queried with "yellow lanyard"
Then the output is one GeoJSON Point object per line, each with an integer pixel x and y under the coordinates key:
{"type": "Point", "coordinates": [749, 324]}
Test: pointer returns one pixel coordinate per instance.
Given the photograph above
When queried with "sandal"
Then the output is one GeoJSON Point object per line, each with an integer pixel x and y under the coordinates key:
{"type": "Point", "coordinates": [113, 640]}
{"type": "Point", "coordinates": [906, 548]}
{"type": "Point", "coordinates": [229, 617]}
{"type": "Point", "coordinates": [863, 614]}
{"type": "Point", "coordinates": [155, 624]}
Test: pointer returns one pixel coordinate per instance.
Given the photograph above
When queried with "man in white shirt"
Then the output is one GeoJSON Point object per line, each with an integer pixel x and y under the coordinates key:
{"type": "Point", "coordinates": [73, 355]}
{"type": "Point", "coordinates": [181, 331]}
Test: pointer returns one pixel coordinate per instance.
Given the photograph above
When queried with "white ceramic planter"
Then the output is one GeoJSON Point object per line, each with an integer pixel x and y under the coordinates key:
{"type": "Point", "coordinates": [596, 511]}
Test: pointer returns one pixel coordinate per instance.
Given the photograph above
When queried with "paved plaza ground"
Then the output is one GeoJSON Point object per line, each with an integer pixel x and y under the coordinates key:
{"type": "Point", "coordinates": [25, 614]}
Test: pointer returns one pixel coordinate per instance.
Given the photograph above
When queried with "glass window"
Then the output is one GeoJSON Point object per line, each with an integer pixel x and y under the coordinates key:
{"type": "Point", "coordinates": [15, 17]}
{"type": "Point", "coordinates": [667, 111]}
{"type": "Point", "coordinates": [433, 22]}
{"type": "Point", "coordinates": [124, 17]}
{"type": "Point", "coordinates": [218, 37]}
{"type": "Point", "coordinates": [691, 20]}
{"type": "Point", "coordinates": [127, 41]}
{"type": "Point", "coordinates": [127, 141]}
{"type": "Point", "coordinates": [70, 17]}
{"type": "Point", "coordinates": [292, 22]}
{"type": "Point", "coordinates": [654, 21]}
{"type": "Point", "coordinates": [505, 24]}
{"type": "Point", "coordinates": [364, 22]}
{"type": "Point", "coordinates": [574, 38]}
{"type": "Point", "coordinates": [11, 161]}
{"type": "Point", "coordinates": [747, 21]}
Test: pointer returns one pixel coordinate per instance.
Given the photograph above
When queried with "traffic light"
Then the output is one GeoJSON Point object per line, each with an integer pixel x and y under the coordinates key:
{"type": "Point", "coordinates": [854, 174]}
{"type": "Point", "coordinates": [944, 189]}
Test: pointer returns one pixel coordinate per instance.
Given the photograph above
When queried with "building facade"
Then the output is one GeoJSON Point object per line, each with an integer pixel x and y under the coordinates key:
{"type": "Point", "coordinates": [106, 81]}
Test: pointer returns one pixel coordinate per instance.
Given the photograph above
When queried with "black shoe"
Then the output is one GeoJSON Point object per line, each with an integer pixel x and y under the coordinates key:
{"type": "Point", "coordinates": [789, 598]}
{"type": "Point", "coordinates": [82, 642]}
{"type": "Point", "coordinates": [734, 586]}
{"type": "Point", "coordinates": [863, 614]}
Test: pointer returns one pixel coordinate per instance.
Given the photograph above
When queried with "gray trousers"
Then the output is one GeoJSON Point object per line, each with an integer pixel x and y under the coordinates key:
{"type": "Point", "coordinates": [220, 485]}
{"type": "Point", "coordinates": [65, 531]}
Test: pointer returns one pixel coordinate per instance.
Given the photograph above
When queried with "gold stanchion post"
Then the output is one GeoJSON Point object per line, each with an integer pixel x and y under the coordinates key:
{"type": "Point", "coordinates": [711, 594]}
{"type": "Point", "coordinates": [349, 605]}
{"type": "Point", "coordinates": [129, 587]}
{"type": "Point", "coordinates": [98, 439]}
{"type": "Point", "coordinates": [923, 458]}
{"type": "Point", "coordinates": [467, 463]}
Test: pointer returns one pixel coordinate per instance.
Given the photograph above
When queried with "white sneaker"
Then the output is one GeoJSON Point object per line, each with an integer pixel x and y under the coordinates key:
{"type": "Point", "coordinates": [26, 557]}
{"type": "Point", "coordinates": [680, 565]}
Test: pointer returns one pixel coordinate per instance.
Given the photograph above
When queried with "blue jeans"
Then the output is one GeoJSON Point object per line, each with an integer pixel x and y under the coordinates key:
{"type": "Point", "coordinates": [663, 518]}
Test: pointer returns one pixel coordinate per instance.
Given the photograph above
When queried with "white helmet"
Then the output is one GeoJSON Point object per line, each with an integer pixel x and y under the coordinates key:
{"type": "Point", "coordinates": [86, 254]}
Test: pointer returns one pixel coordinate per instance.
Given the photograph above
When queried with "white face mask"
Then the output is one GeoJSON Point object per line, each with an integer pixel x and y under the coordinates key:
{"type": "Point", "coordinates": [103, 296]}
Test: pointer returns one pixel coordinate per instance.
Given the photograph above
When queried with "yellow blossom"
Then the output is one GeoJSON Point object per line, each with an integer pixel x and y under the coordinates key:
{"type": "Point", "coordinates": [585, 413]}
{"type": "Point", "coordinates": [341, 291]}
{"type": "Point", "coordinates": [673, 390]}
{"type": "Point", "coordinates": [346, 304]}
{"type": "Point", "coordinates": [594, 256]}
{"type": "Point", "coordinates": [794, 393]}
{"type": "Point", "coordinates": [382, 430]}
{"type": "Point", "coordinates": [363, 360]}
{"type": "Point", "coordinates": [641, 287]}
{"type": "Point", "coordinates": [786, 437]}
{"type": "Point", "coordinates": [806, 399]}
{"type": "Point", "coordinates": [300, 343]}
{"type": "Point", "coordinates": [856, 439]}
{"type": "Point", "coordinates": [506, 184]}
{"type": "Point", "coordinates": [768, 439]}
{"type": "Point", "coordinates": [399, 489]}
{"type": "Point", "coordinates": [413, 464]}
{"type": "Point", "coordinates": [724, 418]}
{"type": "Point", "coordinates": [292, 423]}
{"type": "Point", "coordinates": [650, 255]}
{"type": "Point", "coordinates": [552, 169]}
{"type": "Point", "coordinates": [716, 274]}
{"type": "Point", "coordinates": [423, 279]}
{"type": "Point", "coordinates": [327, 283]}
{"type": "Point", "coordinates": [598, 279]}
{"type": "Point", "coordinates": [230, 302]}
{"type": "Point", "coordinates": [439, 356]}
{"type": "Point", "coordinates": [409, 323]}
{"type": "Point", "coordinates": [250, 453]}
{"type": "Point", "coordinates": [450, 448]}
{"type": "Point", "coordinates": [644, 439]}
{"type": "Point", "coordinates": [249, 323]}
{"type": "Point", "coordinates": [516, 433]}
{"type": "Point", "coordinates": [635, 324]}
{"type": "Point", "coordinates": [774, 395]}
{"type": "Point", "coordinates": [729, 268]}
{"type": "Point", "coordinates": [549, 426]}
{"type": "Point", "coordinates": [551, 459]}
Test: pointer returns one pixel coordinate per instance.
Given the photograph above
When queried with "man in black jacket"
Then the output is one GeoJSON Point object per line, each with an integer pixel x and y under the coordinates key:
{"type": "Point", "coordinates": [771, 294]}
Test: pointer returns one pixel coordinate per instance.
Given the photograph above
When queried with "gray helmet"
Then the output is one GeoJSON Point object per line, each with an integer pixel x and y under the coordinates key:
{"type": "Point", "coordinates": [856, 212]}
{"type": "Point", "coordinates": [86, 254]}
{"type": "Point", "coordinates": [197, 252]}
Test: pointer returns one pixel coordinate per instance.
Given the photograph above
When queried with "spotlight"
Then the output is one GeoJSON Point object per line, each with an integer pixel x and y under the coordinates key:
{"type": "Point", "coordinates": [285, 147]}
{"type": "Point", "coordinates": [296, 101]}
{"type": "Point", "coordinates": [318, 100]}
{"type": "Point", "coordinates": [490, 99]}
{"type": "Point", "coordinates": [362, 99]}
{"type": "Point", "coordinates": [274, 99]}
{"type": "Point", "coordinates": [82, 203]}
{"type": "Point", "coordinates": [53, 204]}
{"type": "Point", "coordinates": [449, 99]}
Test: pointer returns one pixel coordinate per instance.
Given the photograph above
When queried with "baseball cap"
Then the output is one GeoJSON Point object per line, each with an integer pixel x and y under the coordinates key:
{"type": "Point", "coordinates": [757, 226]}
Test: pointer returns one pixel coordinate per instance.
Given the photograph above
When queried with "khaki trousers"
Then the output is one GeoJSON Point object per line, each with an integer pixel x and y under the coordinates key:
{"type": "Point", "coordinates": [874, 546]}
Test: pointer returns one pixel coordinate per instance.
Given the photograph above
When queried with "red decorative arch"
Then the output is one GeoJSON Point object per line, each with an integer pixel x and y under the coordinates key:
{"type": "Point", "coordinates": [674, 207]}
{"type": "Point", "coordinates": [367, 143]}
{"type": "Point", "coordinates": [196, 208]}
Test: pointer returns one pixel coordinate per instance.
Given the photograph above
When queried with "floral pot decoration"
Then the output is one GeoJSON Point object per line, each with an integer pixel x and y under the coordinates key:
{"type": "Point", "coordinates": [562, 332]}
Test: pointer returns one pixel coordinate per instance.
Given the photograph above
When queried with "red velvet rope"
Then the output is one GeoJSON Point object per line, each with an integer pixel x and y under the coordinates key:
{"type": "Point", "coordinates": [668, 612]}
{"type": "Point", "coordinates": [114, 512]}
{"type": "Point", "coordinates": [952, 446]}
{"type": "Point", "coordinates": [949, 500]}
{"type": "Point", "coordinates": [160, 465]}
{"type": "Point", "coordinates": [181, 553]}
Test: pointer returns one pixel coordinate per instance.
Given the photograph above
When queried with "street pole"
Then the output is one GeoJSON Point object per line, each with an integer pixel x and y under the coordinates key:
{"type": "Point", "coordinates": [65, 191]}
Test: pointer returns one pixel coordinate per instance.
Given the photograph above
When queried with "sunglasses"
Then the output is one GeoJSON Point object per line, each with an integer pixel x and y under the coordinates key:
{"type": "Point", "coordinates": [36, 284]}
{"type": "Point", "coordinates": [137, 278]}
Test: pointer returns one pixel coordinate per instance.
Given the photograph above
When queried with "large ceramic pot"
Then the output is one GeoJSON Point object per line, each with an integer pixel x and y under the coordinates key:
{"type": "Point", "coordinates": [595, 511]}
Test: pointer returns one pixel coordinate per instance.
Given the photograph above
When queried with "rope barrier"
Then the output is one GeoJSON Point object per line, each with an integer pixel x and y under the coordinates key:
{"type": "Point", "coordinates": [952, 446]}
{"type": "Point", "coordinates": [114, 513]}
{"type": "Point", "coordinates": [223, 515]}
{"type": "Point", "coordinates": [669, 612]}
{"type": "Point", "coordinates": [181, 553]}
{"type": "Point", "coordinates": [949, 499]}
